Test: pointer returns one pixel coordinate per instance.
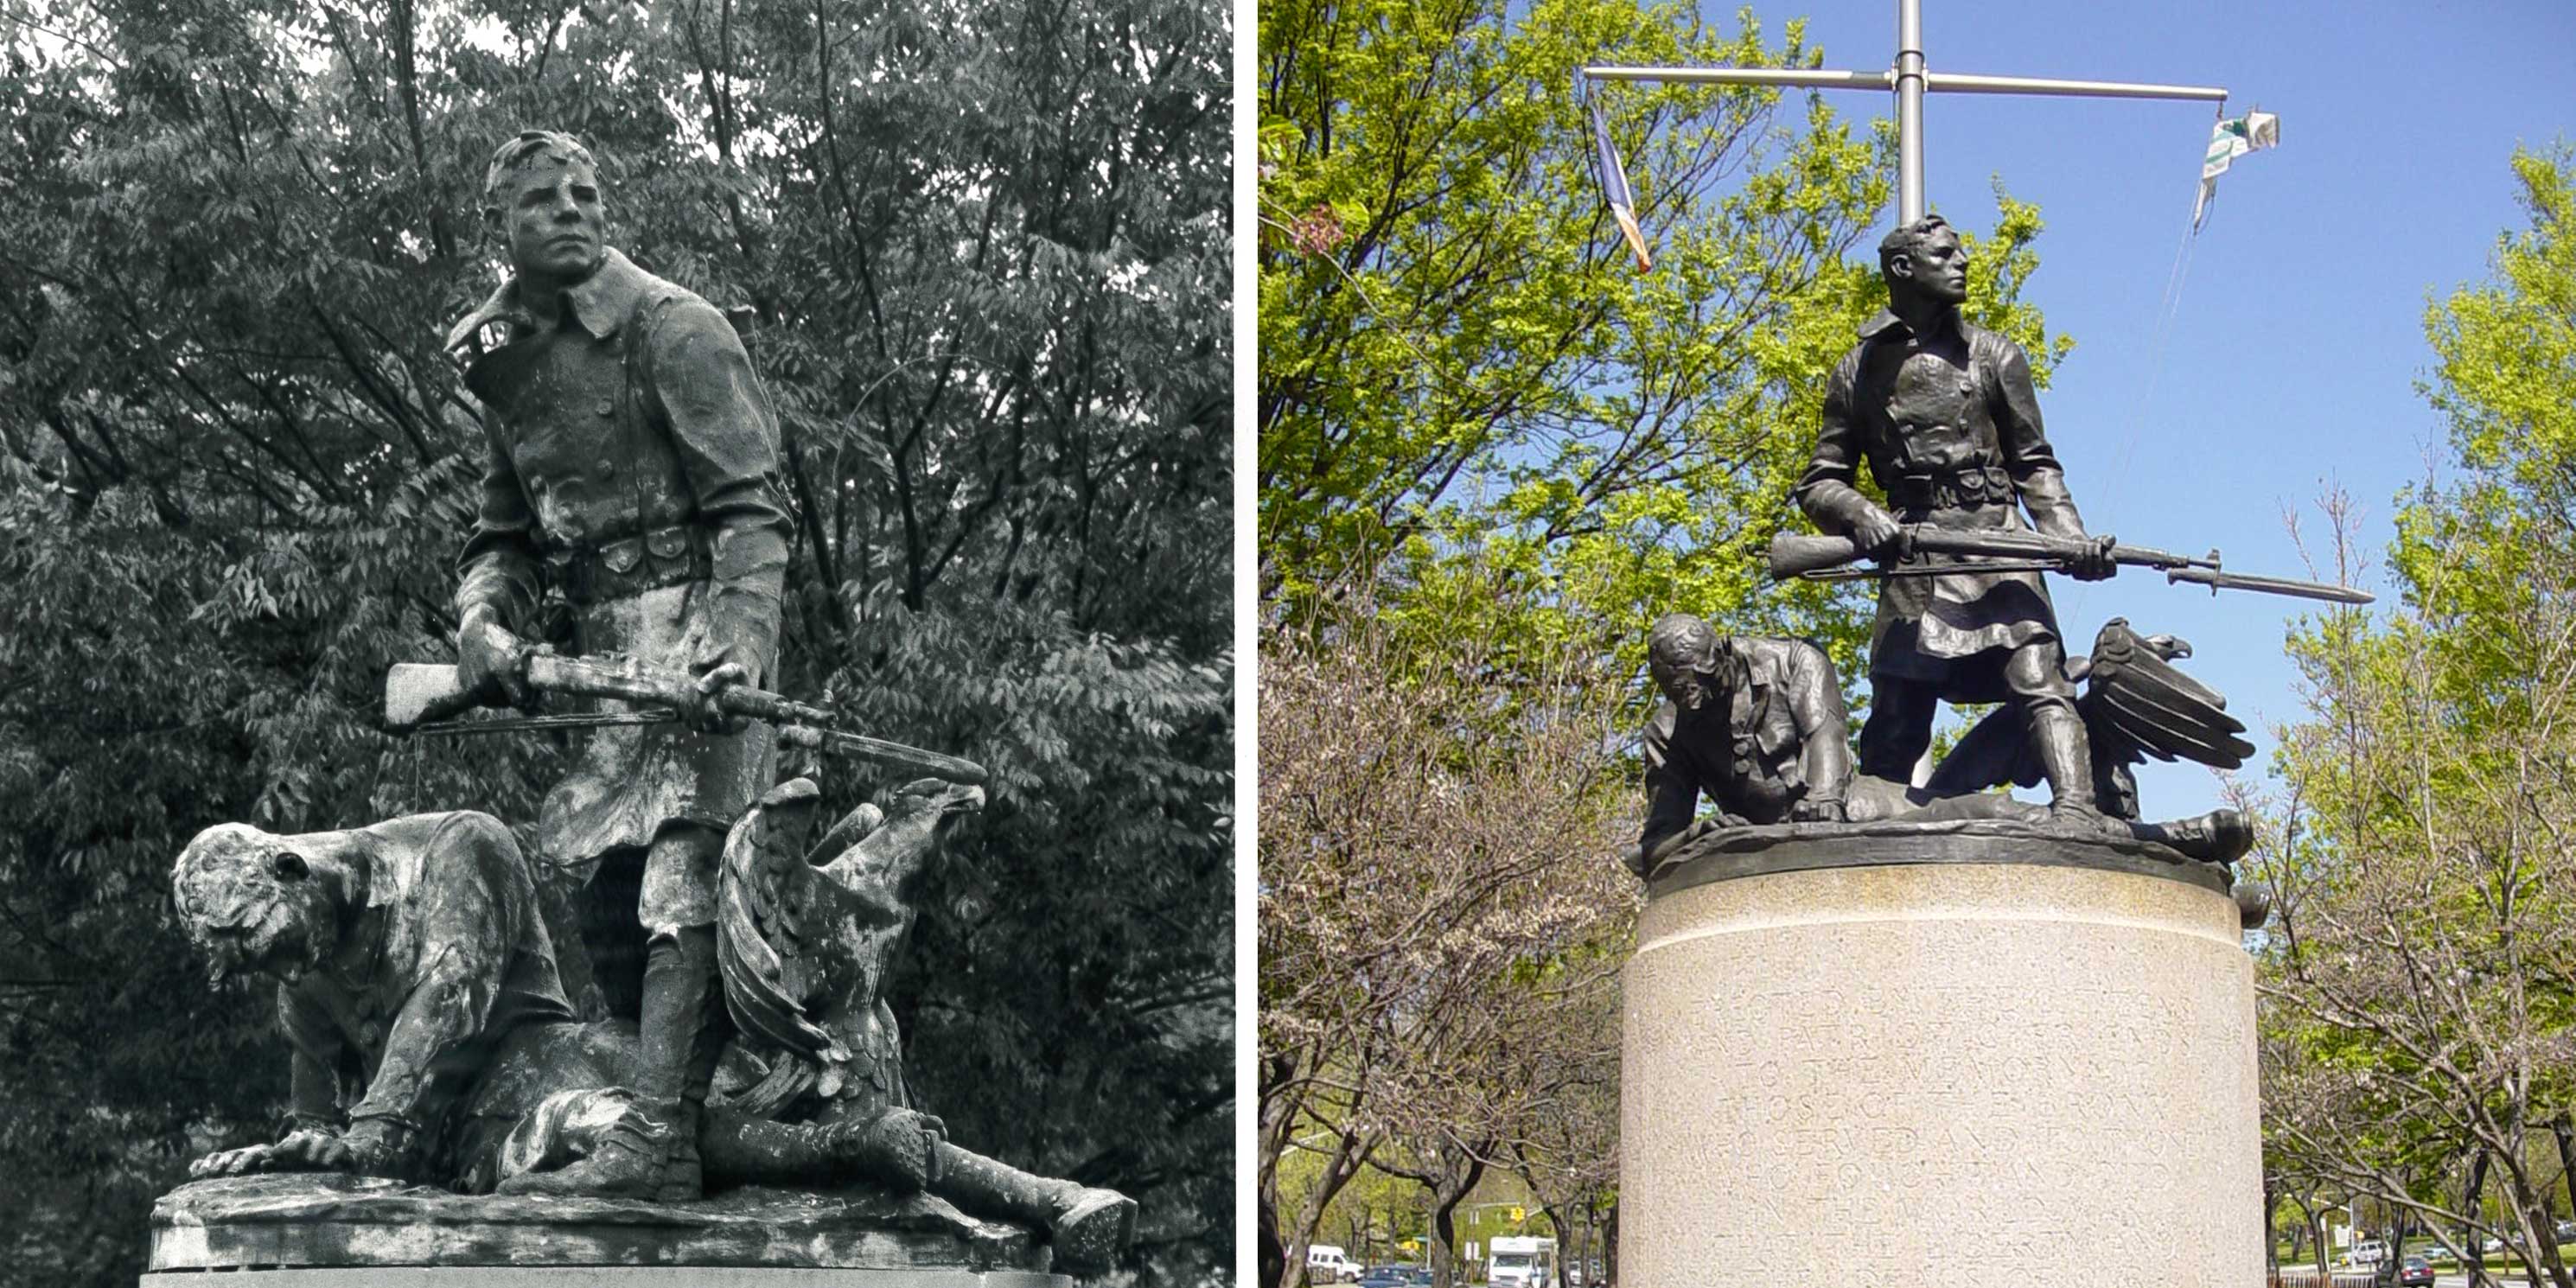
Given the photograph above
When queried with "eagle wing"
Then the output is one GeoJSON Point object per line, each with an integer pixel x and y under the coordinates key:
{"type": "Point", "coordinates": [772, 911]}
{"type": "Point", "coordinates": [2137, 704]}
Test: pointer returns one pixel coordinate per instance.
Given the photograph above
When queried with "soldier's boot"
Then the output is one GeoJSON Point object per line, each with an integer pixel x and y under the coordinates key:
{"type": "Point", "coordinates": [1089, 1227]}
{"type": "Point", "coordinates": [2219, 836]}
{"type": "Point", "coordinates": [651, 1151]}
{"type": "Point", "coordinates": [2066, 760]}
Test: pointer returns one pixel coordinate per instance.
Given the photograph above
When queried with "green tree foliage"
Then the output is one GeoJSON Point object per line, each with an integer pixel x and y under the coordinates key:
{"type": "Point", "coordinates": [2421, 988]}
{"type": "Point", "coordinates": [982, 256]}
{"type": "Point", "coordinates": [1457, 367]}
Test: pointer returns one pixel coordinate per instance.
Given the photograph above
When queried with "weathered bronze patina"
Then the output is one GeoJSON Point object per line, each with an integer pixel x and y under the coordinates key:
{"type": "Point", "coordinates": [629, 507]}
{"type": "Point", "coordinates": [423, 1018]}
{"type": "Point", "coordinates": [429, 1039]}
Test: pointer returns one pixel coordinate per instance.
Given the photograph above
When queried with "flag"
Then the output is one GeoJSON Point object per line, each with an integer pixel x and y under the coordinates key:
{"type": "Point", "coordinates": [1614, 187]}
{"type": "Point", "coordinates": [2231, 138]}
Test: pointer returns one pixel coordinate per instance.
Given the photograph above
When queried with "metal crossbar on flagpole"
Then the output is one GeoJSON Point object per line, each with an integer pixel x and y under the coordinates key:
{"type": "Point", "coordinates": [1909, 80]}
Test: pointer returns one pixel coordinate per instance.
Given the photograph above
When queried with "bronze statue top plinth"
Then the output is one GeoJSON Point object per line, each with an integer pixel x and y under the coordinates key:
{"type": "Point", "coordinates": [1729, 853]}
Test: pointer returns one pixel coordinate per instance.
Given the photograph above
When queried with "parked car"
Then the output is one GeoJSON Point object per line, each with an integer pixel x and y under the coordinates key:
{"type": "Point", "coordinates": [1386, 1277]}
{"type": "Point", "coordinates": [2414, 1272]}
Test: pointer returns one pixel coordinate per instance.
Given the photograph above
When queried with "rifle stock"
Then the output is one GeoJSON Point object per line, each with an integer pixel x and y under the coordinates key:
{"type": "Point", "coordinates": [1796, 554]}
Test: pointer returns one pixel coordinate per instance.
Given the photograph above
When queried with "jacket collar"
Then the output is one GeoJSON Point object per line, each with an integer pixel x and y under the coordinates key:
{"type": "Point", "coordinates": [600, 303]}
{"type": "Point", "coordinates": [1887, 322]}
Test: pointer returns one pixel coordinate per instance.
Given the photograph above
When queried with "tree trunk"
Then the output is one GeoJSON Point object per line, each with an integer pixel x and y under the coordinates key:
{"type": "Point", "coordinates": [1444, 1215]}
{"type": "Point", "coordinates": [1277, 1114]}
{"type": "Point", "coordinates": [1271, 1257]}
{"type": "Point", "coordinates": [2565, 1131]}
{"type": "Point", "coordinates": [1610, 1247]}
{"type": "Point", "coordinates": [2271, 1247]}
{"type": "Point", "coordinates": [2470, 1254]}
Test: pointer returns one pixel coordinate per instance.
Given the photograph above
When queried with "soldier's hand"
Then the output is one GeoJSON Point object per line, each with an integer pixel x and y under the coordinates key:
{"type": "Point", "coordinates": [2096, 563]}
{"type": "Point", "coordinates": [490, 661]}
{"type": "Point", "coordinates": [304, 1149]}
{"type": "Point", "coordinates": [707, 714]}
{"type": "Point", "coordinates": [1879, 534]}
{"type": "Point", "coordinates": [232, 1162]}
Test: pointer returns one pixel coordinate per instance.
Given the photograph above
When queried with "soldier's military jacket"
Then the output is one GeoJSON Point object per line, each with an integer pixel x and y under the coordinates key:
{"type": "Point", "coordinates": [632, 487]}
{"type": "Point", "coordinates": [446, 960]}
{"type": "Point", "coordinates": [1777, 735]}
{"type": "Point", "coordinates": [1955, 446]}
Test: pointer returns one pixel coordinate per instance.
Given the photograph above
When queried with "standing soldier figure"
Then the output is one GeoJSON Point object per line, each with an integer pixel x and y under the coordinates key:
{"type": "Point", "coordinates": [632, 472]}
{"type": "Point", "coordinates": [1944, 413]}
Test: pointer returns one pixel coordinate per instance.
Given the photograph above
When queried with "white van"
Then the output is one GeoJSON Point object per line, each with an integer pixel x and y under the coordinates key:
{"type": "Point", "coordinates": [1520, 1261]}
{"type": "Point", "coordinates": [2369, 1252]}
{"type": "Point", "coordinates": [1325, 1264]}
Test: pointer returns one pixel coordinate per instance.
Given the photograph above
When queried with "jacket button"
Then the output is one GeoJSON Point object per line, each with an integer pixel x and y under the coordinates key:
{"type": "Point", "coordinates": [607, 407]}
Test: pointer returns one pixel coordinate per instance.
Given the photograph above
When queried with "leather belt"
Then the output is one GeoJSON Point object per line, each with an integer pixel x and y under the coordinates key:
{"type": "Point", "coordinates": [1966, 489]}
{"type": "Point", "coordinates": [615, 568]}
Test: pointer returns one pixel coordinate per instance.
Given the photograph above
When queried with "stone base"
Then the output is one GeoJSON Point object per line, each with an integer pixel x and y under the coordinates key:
{"type": "Point", "coordinates": [1898, 1054]}
{"type": "Point", "coordinates": [319, 1230]}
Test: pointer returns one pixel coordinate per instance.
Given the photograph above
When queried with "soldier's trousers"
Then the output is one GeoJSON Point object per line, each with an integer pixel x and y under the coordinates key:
{"type": "Point", "coordinates": [1899, 728]}
{"type": "Point", "coordinates": [684, 1023]}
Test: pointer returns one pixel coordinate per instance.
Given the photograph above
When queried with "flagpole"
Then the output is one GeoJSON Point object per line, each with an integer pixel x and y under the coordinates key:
{"type": "Point", "coordinates": [1910, 80]}
{"type": "Point", "coordinates": [1909, 111]}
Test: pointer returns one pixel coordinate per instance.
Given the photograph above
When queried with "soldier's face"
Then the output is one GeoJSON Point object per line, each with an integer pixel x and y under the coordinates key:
{"type": "Point", "coordinates": [1937, 267]}
{"type": "Point", "coordinates": [1692, 685]}
{"type": "Point", "coordinates": [549, 214]}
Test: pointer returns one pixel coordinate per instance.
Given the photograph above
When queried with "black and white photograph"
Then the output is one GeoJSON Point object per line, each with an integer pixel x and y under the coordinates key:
{"type": "Point", "coordinates": [618, 653]}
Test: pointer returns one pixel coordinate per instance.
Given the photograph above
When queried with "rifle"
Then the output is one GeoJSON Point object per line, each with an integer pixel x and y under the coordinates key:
{"type": "Point", "coordinates": [2013, 550]}
{"type": "Point", "coordinates": [420, 696]}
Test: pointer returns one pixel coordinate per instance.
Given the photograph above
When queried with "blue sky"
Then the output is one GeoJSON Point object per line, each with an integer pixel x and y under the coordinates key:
{"type": "Point", "coordinates": [2292, 362]}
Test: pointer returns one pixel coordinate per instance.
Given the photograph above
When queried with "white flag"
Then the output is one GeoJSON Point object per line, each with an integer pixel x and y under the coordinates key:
{"type": "Point", "coordinates": [2229, 139]}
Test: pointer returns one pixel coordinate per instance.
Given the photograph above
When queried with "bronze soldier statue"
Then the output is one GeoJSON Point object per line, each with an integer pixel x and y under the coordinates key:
{"type": "Point", "coordinates": [1944, 413]}
{"type": "Point", "coordinates": [630, 493]}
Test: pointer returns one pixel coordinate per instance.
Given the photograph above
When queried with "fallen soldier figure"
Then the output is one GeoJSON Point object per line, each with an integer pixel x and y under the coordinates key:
{"type": "Point", "coordinates": [430, 1038]}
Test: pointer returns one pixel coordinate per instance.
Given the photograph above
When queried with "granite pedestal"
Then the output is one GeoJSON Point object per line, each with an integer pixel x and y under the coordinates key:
{"type": "Point", "coordinates": [1889, 1055]}
{"type": "Point", "coordinates": [325, 1231]}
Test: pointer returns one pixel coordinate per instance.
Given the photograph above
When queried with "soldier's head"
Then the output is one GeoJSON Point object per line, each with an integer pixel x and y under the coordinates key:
{"type": "Point", "coordinates": [541, 202]}
{"type": "Point", "coordinates": [1683, 652]}
{"type": "Point", "coordinates": [1923, 260]}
